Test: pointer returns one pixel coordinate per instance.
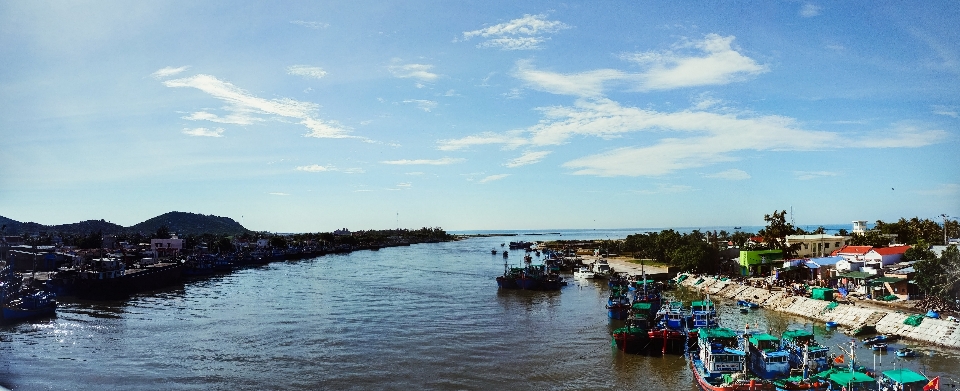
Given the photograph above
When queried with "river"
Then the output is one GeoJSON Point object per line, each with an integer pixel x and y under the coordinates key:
{"type": "Point", "coordinates": [427, 316]}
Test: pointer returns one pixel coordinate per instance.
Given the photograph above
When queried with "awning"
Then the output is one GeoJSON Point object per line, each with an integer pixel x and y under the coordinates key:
{"type": "Point", "coordinates": [856, 275]}
{"type": "Point", "coordinates": [891, 280]}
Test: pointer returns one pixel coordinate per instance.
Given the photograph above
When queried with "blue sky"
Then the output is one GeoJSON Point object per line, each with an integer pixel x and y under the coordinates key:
{"type": "Point", "coordinates": [312, 116]}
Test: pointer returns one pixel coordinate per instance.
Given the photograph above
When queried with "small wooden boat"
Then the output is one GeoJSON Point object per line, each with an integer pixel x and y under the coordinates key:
{"type": "Point", "coordinates": [907, 352]}
{"type": "Point", "coordinates": [747, 304]}
{"type": "Point", "coordinates": [879, 346]}
{"type": "Point", "coordinates": [832, 325]}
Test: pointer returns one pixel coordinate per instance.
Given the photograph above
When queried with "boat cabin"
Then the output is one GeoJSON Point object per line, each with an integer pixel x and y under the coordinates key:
{"type": "Point", "coordinates": [795, 341]}
{"type": "Point", "coordinates": [767, 359]}
{"type": "Point", "coordinates": [720, 351]}
{"type": "Point", "coordinates": [902, 379]}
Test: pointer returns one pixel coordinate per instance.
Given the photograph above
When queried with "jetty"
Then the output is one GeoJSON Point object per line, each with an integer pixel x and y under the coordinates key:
{"type": "Point", "coordinates": [850, 315]}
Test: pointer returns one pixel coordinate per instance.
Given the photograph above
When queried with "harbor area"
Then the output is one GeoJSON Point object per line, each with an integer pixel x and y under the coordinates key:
{"type": "Point", "coordinates": [853, 316]}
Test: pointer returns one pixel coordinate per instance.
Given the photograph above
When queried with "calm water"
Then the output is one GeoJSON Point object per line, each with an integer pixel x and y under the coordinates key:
{"type": "Point", "coordinates": [428, 316]}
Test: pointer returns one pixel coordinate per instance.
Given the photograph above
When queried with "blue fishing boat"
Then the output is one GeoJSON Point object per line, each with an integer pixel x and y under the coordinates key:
{"type": "Point", "coordinates": [906, 352]}
{"type": "Point", "coordinates": [618, 304]}
{"type": "Point", "coordinates": [903, 379]}
{"type": "Point", "coordinates": [768, 359]}
{"type": "Point", "coordinates": [704, 314]}
{"type": "Point", "coordinates": [30, 305]}
{"type": "Point", "coordinates": [748, 304]}
{"type": "Point", "coordinates": [805, 351]}
{"type": "Point", "coordinates": [719, 364]}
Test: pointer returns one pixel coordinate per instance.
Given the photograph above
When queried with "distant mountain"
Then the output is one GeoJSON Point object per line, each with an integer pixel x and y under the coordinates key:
{"type": "Point", "coordinates": [181, 223]}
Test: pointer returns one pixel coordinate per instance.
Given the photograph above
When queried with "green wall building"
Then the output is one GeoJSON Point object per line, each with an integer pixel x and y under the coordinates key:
{"type": "Point", "coordinates": [759, 263]}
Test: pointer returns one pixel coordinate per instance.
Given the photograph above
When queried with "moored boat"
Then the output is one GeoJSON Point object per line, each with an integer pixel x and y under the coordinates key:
{"type": "Point", "coordinates": [906, 352]}
{"type": "Point", "coordinates": [584, 273]}
{"type": "Point", "coordinates": [805, 351]}
{"type": "Point", "coordinates": [30, 305]}
{"type": "Point", "coordinates": [720, 365]}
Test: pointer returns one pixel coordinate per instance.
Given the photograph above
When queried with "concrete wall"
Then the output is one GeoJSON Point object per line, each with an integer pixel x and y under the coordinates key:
{"type": "Point", "coordinates": [887, 321]}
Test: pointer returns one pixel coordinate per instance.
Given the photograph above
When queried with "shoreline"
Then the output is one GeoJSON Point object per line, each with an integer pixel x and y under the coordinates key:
{"type": "Point", "coordinates": [849, 315]}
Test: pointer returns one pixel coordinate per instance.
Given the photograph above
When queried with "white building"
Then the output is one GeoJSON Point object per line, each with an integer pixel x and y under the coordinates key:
{"type": "Point", "coordinates": [817, 245]}
{"type": "Point", "coordinates": [166, 247]}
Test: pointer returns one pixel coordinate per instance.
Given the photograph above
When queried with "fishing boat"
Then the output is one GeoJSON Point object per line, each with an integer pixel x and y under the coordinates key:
{"type": "Point", "coordinates": [601, 269]}
{"type": "Point", "coordinates": [618, 304]}
{"type": "Point", "coordinates": [670, 329]}
{"type": "Point", "coordinates": [633, 337]}
{"type": "Point", "coordinates": [493, 252]}
{"type": "Point", "coordinates": [30, 305]}
{"type": "Point", "coordinates": [906, 352]}
{"type": "Point", "coordinates": [831, 324]}
{"type": "Point", "coordinates": [584, 273]}
{"type": "Point", "coordinates": [879, 346]}
{"type": "Point", "coordinates": [850, 376]}
{"type": "Point", "coordinates": [530, 277]}
{"type": "Point", "coordinates": [748, 304]}
{"type": "Point", "coordinates": [805, 352]}
{"type": "Point", "coordinates": [704, 314]}
{"type": "Point", "coordinates": [720, 365]}
{"type": "Point", "coordinates": [882, 338]}
{"type": "Point", "coordinates": [903, 379]}
{"type": "Point", "coordinates": [768, 359]}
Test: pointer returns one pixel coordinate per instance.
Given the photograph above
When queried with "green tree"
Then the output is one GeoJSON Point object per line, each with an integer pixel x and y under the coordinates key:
{"type": "Point", "coordinates": [776, 232]}
{"type": "Point", "coordinates": [940, 277]}
{"type": "Point", "coordinates": [919, 252]}
{"type": "Point", "coordinates": [873, 238]}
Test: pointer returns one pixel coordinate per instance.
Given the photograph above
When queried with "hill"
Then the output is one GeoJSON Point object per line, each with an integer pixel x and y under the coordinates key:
{"type": "Point", "coordinates": [182, 223]}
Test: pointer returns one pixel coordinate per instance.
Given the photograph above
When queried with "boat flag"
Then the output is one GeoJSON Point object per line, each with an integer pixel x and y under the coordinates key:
{"type": "Point", "coordinates": [933, 384]}
{"type": "Point", "coordinates": [839, 359]}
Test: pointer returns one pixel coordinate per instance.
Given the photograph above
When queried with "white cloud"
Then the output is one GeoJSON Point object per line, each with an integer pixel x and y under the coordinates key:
{"type": "Point", "coordinates": [903, 135]}
{"type": "Point", "coordinates": [678, 140]}
{"type": "Point", "coordinates": [415, 173]}
{"type": "Point", "coordinates": [519, 34]}
{"type": "Point", "coordinates": [236, 118]}
{"type": "Point", "coordinates": [809, 10]}
{"type": "Point", "coordinates": [710, 61]}
{"type": "Point", "coordinates": [204, 132]}
{"type": "Point", "coordinates": [425, 105]}
{"type": "Point", "coordinates": [168, 71]}
{"type": "Point", "coordinates": [355, 170]}
{"type": "Point", "coordinates": [279, 194]}
{"type": "Point", "coordinates": [306, 71]}
{"type": "Point", "coordinates": [588, 83]}
{"type": "Point", "coordinates": [947, 189]}
{"type": "Point", "coordinates": [405, 185]}
{"type": "Point", "coordinates": [514, 93]}
{"type": "Point", "coordinates": [435, 162]}
{"type": "Point", "coordinates": [510, 140]}
{"type": "Point", "coordinates": [808, 175]}
{"type": "Point", "coordinates": [714, 62]}
{"type": "Point", "coordinates": [316, 168]}
{"type": "Point", "coordinates": [312, 25]}
{"type": "Point", "coordinates": [413, 71]}
{"type": "Point", "coordinates": [732, 174]}
{"type": "Point", "coordinates": [529, 157]}
{"type": "Point", "coordinates": [243, 106]}
{"type": "Point", "coordinates": [492, 178]}
{"type": "Point", "coordinates": [946, 110]}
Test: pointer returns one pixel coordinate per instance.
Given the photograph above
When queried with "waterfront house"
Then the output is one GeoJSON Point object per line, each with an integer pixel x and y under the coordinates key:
{"type": "Point", "coordinates": [822, 268]}
{"type": "Point", "coordinates": [759, 262]}
{"type": "Point", "coordinates": [817, 245]}
{"type": "Point", "coordinates": [883, 256]}
{"type": "Point", "coordinates": [167, 247]}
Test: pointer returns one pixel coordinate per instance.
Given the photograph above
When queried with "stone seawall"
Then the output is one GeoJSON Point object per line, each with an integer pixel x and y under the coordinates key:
{"type": "Point", "coordinates": [886, 321]}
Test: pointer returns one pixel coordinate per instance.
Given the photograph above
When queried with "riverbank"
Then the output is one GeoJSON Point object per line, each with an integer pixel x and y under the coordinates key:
{"type": "Point", "coordinates": [850, 315]}
{"type": "Point", "coordinates": [624, 265]}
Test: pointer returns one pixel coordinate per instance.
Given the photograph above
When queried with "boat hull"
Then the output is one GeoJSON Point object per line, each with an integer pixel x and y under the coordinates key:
{"type": "Point", "coordinates": [742, 385]}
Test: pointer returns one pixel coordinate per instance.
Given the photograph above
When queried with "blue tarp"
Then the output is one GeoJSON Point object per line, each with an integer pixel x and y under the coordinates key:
{"type": "Point", "coordinates": [843, 291]}
{"type": "Point", "coordinates": [823, 261]}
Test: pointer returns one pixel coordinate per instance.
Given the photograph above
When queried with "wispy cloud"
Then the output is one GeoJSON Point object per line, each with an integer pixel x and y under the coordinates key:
{"type": "Point", "coordinates": [808, 175]}
{"type": "Point", "coordinates": [413, 71]}
{"type": "Point", "coordinates": [168, 71]}
{"type": "Point", "coordinates": [732, 174]}
{"type": "Point", "coordinates": [316, 168]}
{"type": "Point", "coordinates": [946, 189]}
{"type": "Point", "coordinates": [525, 33]}
{"type": "Point", "coordinates": [203, 132]}
{"type": "Point", "coordinates": [279, 194]}
{"type": "Point", "coordinates": [405, 185]}
{"type": "Point", "coordinates": [422, 104]}
{"type": "Point", "coordinates": [946, 110]}
{"type": "Point", "coordinates": [688, 139]}
{"type": "Point", "coordinates": [710, 61]}
{"type": "Point", "coordinates": [529, 157]}
{"type": "Point", "coordinates": [434, 162]}
{"type": "Point", "coordinates": [492, 178]}
{"type": "Point", "coordinates": [310, 24]}
{"type": "Point", "coordinates": [809, 10]}
{"type": "Point", "coordinates": [306, 71]}
{"type": "Point", "coordinates": [244, 107]}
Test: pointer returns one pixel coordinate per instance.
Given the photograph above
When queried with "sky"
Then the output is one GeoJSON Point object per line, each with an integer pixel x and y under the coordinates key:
{"type": "Point", "coordinates": [313, 116]}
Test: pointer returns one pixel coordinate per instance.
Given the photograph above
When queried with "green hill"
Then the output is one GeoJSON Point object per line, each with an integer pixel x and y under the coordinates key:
{"type": "Point", "coordinates": [182, 223]}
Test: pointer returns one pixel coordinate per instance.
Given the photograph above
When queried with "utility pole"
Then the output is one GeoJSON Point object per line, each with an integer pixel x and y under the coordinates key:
{"type": "Point", "coordinates": [944, 215]}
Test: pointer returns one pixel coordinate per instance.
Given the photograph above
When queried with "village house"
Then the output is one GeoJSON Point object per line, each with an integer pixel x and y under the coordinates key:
{"type": "Point", "coordinates": [167, 247]}
{"type": "Point", "coordinates": [853, 257]}
{"type": "Point", "coordinates": [817, 245]}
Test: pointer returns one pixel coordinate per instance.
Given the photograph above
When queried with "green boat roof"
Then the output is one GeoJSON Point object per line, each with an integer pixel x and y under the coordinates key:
{"type": "Point", "coordinates": [756, 338]}
{"type": "Point", "coordinates": [794, 334]}
{"type": "Point", "coordinates": [904, 376]}
{"type": "Point", "coordinates": [719, 332]}
{"type": "Point", "coordinates": [642, 306]}
{"type": "Point", "coordinates": [843, 376]}
{"type": "Point", "coordinates": [701, 303]}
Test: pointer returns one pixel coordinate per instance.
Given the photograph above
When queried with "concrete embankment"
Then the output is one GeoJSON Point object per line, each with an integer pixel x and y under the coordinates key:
{"type": "Point", "coordinates": [886, 321]}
